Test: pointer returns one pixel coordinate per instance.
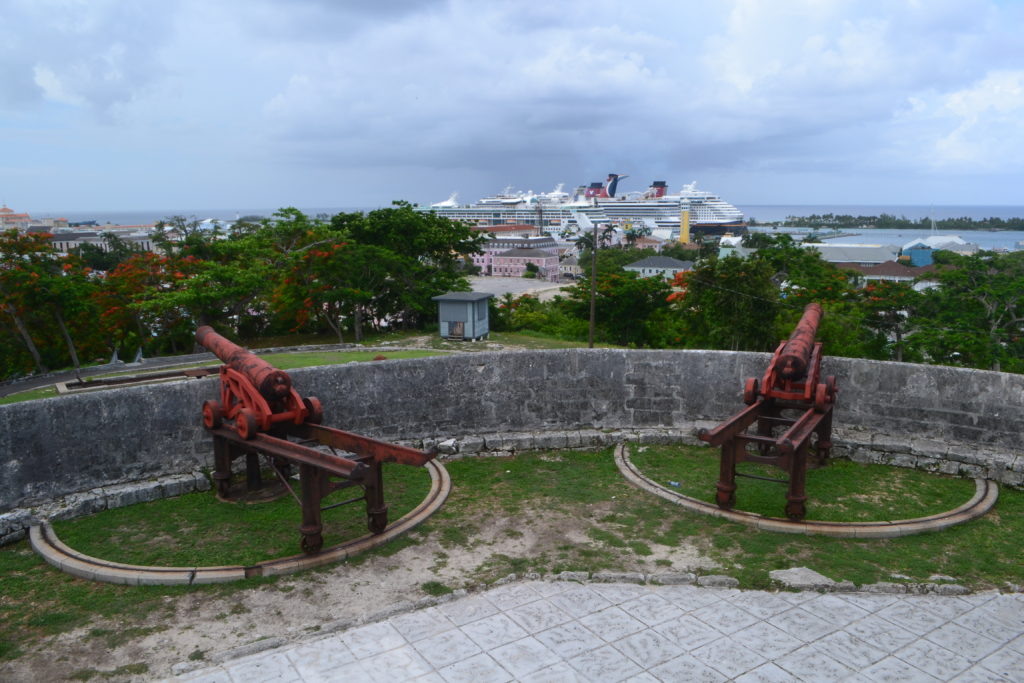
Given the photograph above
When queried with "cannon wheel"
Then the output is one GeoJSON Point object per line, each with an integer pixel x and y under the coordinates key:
{"type": "Point", "coordinates": [213, 414]}
{"type": "Point", "coordinates": [315, 410]}
{"type": "Point", "coordinates": [750, 391]}
{"type": "Point", "coordinates": [245, 424]}
{"type": "Point", "coordinates": [821, 398]}
{"type": "Point", "coordinates": [830, 384]}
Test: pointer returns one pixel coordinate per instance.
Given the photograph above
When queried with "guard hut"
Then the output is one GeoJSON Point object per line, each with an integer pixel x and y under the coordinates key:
{"type": "Point", "coordinates": [463, 315]}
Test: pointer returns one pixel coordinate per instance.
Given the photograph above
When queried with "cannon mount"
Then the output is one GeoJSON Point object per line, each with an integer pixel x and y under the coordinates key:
{"type": "Point", "coordinates": [790, 411]}
{"type": "Point", "coordinates": [260, 416]}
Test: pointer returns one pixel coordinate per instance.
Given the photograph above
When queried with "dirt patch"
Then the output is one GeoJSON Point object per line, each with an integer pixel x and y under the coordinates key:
{"type": "Point", "coordinates": [199, 624]}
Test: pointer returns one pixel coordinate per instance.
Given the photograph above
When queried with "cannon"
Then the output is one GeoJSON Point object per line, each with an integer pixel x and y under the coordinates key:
{"type": "Point", "coordinates": [790, 413]}
{"type": "Point", "coordinates": [261, 416]}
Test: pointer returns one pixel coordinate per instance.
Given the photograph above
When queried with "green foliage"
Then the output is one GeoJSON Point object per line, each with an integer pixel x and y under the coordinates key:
{"type": "Point", "coordinates": [729, 303]}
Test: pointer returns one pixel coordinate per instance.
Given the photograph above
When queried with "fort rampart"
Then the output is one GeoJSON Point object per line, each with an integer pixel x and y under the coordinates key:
{"type": "Point", "coordinates": [76, 454]}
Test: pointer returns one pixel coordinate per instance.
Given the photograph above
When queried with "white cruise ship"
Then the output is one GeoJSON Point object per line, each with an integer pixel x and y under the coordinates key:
{"type": "Point", "coordinates": [565, 214]}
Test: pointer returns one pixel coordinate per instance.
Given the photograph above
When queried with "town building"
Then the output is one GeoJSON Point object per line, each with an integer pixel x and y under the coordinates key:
{"type": "Point", "coordinates": [463, 315]}
{"type": "Point", "coordinates": [512, 263]}
{"type": "Point", "coordinates": [664, 267]}
{"type": "Point", "coordinates": [922, 277]}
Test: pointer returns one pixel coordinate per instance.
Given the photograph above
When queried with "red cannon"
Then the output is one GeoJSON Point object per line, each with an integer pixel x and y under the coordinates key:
{"type": "Point", "coordinates": [791, 411]}
{"type": "Point", "coordinates": [260, 415]}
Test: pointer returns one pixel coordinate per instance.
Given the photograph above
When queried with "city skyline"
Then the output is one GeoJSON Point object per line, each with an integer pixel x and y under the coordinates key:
{"type": "Point", "coordinates": [116, 105]}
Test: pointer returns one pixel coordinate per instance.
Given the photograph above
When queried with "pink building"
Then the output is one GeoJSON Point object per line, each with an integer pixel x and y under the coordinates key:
{"type": "Point", "coordinates": [512, 263]}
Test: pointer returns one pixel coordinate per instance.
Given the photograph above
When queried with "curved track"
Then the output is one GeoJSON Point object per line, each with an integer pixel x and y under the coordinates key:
{"type": "Point", "coordinates": [45, 542]}
{"type": "Point", "coordinates": [985, 495]}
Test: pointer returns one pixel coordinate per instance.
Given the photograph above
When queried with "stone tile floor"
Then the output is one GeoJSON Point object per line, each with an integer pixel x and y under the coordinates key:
{"type": "Point", "coordinates": [561, 631]}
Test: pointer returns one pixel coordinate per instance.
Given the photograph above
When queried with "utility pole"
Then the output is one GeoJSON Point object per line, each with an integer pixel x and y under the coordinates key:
{"type": "Point", "coordinates": [593, 286]}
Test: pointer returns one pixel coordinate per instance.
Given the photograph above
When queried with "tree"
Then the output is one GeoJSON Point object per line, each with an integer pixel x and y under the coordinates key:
{"type": "Point", "coordinates": [888, 308]}
{"type": "Point", "coordinates": [114, 251]}
{"type": "Point", "coordinates": [630, 310]}
{"type": "Point", "coordinates": [975, 316]}
{"type": "Point", "coordinates": [22, 267]}
{"type": "Point", "coordinates": [426, 257]}
{"type": "Point", "coordinates": [729, 303]}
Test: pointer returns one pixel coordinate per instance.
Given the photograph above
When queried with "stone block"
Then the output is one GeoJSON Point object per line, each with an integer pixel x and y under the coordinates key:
{"type": "Point", "coordinates": [471, 444]}
{"type": "Point", "coordinates": [552, 439]}
{"type": "Point", "coordinates": [572, 576]}
{"type": "Point", "coordinates": [618, 577]}
{"type": "Point", "coordinates": [884, 587]}
{"type": "Point", "coordinates": [673, 578]}
{"type": "Point", "coordinates": [890, 444]}
{"type": "Point", "coordinates": [718, 581]}
{"type": "Point", "coordinates": [801, 578]}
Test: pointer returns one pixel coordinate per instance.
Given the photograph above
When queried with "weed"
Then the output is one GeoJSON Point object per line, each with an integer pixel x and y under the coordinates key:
{"type": "Point", "coordinates": [197, 655]}
{"type": "Point", "coordinates": [435, 588]}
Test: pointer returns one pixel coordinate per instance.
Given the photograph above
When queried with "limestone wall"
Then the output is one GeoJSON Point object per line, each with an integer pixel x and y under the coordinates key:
{"type": "Point", "coordinates": [954, 420]}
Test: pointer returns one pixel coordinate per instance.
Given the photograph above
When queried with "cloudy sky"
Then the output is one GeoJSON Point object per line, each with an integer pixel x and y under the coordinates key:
{"type": "Point", "coordinates": [183, 104]}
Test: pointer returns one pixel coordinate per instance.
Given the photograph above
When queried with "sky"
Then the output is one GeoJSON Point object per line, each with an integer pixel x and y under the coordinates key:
{"type": "Point", "coordinates": [180, 104]}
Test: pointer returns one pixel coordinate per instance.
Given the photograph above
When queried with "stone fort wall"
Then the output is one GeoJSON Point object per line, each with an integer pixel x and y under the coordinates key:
{"type": "Point", "coordinates": [82, 450]}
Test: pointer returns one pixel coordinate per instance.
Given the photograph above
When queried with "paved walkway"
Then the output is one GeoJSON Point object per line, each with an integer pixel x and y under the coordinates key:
{"type": "Point", "coordinates": [562, 631]}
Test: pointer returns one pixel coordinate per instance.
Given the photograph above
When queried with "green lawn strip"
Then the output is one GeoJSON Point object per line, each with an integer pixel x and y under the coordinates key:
{"type": "Point", "coordinates": [29, 395]}
{"type": "Point", "coordinates": [842, 491]}
{"type": "Point", "coordinates": [197, 529]}
{"type": "Point", "coordinates": [305, 359]}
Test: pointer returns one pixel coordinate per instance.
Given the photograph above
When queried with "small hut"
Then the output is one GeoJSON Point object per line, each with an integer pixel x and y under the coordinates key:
{"type": "Point", "coordinates": [463, 315]}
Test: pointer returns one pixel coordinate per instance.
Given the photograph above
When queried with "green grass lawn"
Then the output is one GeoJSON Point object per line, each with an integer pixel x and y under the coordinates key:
{"type": "Point", "coordinates": [222, 533]}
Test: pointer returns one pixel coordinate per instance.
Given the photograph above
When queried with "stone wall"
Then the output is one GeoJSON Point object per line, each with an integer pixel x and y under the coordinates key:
{"type": "Point", "coordinates": [953, 420]}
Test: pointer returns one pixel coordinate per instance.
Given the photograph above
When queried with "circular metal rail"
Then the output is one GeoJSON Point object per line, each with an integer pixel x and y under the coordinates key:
{"type": "Point", "coordinates": [985, 495]}
{"type": "Point", "coordinates": [45, 542]}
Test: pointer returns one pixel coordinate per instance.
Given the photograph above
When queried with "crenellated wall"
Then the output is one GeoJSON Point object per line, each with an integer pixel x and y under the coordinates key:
{"type": "Point", "coordinates": [954, 420]}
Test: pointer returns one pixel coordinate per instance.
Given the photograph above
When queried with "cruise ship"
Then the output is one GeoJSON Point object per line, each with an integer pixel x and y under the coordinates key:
{"type": "Point", "coordinates": [561, 213]}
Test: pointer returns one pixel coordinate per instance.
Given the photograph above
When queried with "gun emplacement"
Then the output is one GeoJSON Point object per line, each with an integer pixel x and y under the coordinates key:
{"type": "Point", "coordinates": [260, 414]}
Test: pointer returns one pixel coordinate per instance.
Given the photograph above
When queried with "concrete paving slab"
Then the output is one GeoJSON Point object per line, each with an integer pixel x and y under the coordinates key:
{"type": "Point", "coordinates": [540, 631]}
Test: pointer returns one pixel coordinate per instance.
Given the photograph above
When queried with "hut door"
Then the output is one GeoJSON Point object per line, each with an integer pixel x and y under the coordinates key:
{"type": "Point", "coordinates": [457, 329]}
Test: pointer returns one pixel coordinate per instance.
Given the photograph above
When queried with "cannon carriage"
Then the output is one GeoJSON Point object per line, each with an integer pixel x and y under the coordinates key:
{"type": "Point", "coordinates": [260, 416]}
{"type": "Point", "coordinates": [787, 422]}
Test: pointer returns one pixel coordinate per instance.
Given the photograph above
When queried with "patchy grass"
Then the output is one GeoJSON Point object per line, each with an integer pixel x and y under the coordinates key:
{"type": "Point", "coordinates": [600, 523]}
{"type": "Point", "coordinates": [435, 588]}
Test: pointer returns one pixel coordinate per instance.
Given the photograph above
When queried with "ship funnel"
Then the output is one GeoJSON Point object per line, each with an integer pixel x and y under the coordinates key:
{"type": "Point", "coordinates": [612, 183]}
{"type": "Point", "coordinates": [658, 188]}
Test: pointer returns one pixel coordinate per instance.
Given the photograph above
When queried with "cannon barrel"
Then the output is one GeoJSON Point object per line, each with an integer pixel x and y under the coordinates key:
{"type": "Point", "coordinates": [273, 384]}
{"type": "Point", "coordinates": [796, 353]}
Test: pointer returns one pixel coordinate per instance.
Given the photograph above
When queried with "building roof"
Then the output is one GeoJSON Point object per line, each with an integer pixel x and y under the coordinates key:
{"type": "Point", "coordinates": [462, 296]}
{"type": "Point", "coordinates": [510, 227]}
{"type": "Point", "coordinates": [527, 253]}
{"type": "Point", "coordinates": [855, 253]}
{"type": "Point", "coordinates": [889, 269]}
{"type": "Point", "coordinates": [936, 242]}
{"type": "Point", "coordinates": [661, 263]}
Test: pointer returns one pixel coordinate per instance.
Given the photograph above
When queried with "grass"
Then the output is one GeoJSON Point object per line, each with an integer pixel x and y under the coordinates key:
{"type": "Point", "coordinates": [30, 395]}
{"type": "Point", "coordinates": [226, 533]}
{"type": "Point", "coordinates": [595, 521]}
{"type": "Point", "coordinates": [843, 491]}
